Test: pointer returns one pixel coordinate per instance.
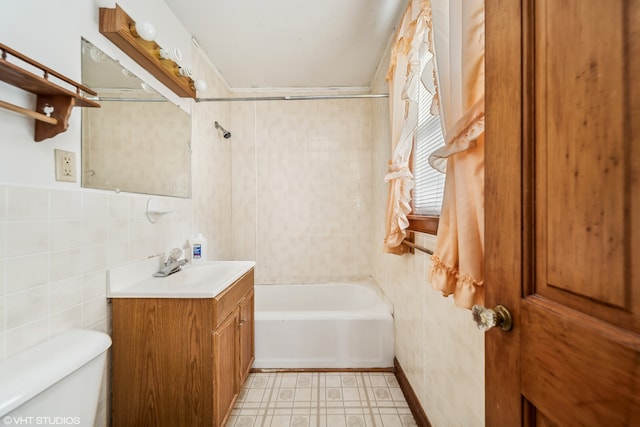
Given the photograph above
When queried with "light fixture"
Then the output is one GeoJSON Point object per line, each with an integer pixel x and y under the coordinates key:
{"type": "Point", "coordinates": [145, 30]}
{"type": "Point", "coordinates": [200, 85]}
{"type": "Point", "coordinates": [133, 38]}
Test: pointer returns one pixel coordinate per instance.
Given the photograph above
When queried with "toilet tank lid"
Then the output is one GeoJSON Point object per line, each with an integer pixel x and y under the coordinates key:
{"type": "Point", "coordinates": [37, 368]}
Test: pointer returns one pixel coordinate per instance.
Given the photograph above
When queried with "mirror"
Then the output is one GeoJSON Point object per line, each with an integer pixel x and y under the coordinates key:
{"type": "Point", "coordinates": [138, 141]}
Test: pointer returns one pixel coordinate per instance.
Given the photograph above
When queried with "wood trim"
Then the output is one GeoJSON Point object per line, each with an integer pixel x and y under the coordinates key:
{"type": "Point", "coordinates": [423, 224]}
{"type": "Point", "coordinates": [504, 210]}
{"type": "Point", "coordinates": [26, 80]}
{"type": "Point", "coordinates": [268, 370]}
{"type": "Point", "coordinates": [412, 399]}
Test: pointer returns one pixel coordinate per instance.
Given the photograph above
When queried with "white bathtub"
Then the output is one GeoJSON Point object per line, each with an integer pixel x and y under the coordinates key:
{"type": "Point", "coordinates": [335, 325]}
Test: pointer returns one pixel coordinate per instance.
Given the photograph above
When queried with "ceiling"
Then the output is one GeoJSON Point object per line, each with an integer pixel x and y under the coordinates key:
{"type": "Point", "coordinates": [271, 44]}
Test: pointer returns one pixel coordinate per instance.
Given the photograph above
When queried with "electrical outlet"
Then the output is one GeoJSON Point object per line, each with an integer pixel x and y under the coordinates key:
{"type": "Point", "coordinates": [65, 165]}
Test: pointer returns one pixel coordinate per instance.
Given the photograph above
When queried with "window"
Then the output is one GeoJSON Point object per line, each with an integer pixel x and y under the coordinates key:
{"type": "Point", "coordinates": [429, 183]}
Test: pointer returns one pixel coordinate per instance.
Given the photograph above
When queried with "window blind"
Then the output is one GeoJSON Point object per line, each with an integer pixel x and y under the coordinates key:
{"type": "Point", "coordinates": [429, 183]}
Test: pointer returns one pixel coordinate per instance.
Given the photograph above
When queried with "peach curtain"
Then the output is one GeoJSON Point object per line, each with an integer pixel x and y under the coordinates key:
{"type": "Point", "coordinates": [458, 45]}
{"type": "Point", "coordinates": [410, 44]}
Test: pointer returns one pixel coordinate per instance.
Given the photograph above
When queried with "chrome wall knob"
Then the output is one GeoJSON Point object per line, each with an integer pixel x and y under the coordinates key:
{"type": "Point", "coordinates": [486, 318]}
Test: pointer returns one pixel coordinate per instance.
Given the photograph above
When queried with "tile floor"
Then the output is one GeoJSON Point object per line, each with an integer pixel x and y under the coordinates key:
{"type": "Point", "coordinates": [321, 399]}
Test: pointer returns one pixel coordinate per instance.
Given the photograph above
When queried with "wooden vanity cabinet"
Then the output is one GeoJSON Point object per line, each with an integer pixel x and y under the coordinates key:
{"type": "Point", "coordinates": [181, 361]}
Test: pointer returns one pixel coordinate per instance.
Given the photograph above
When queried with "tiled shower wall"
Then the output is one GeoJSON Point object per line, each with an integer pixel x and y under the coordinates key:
{"type": "Point", "coordinates": [302, 188]}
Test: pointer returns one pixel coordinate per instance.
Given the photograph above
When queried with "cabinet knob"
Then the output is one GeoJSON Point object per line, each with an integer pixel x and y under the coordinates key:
{"type": "Point", "coordinates": [242, 322]}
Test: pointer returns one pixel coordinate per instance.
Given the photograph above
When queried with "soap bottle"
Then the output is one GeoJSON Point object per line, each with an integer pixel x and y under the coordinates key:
{"type": "Point", "coordinates": [199, 249]}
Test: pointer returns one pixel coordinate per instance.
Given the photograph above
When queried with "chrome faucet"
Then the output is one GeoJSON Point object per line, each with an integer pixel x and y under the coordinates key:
{"type": "Point", "coordinates": [173, 264]}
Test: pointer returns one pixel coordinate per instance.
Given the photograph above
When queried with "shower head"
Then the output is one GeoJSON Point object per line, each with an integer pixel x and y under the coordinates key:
{"type": "Point", "coordinates": [225, 133]}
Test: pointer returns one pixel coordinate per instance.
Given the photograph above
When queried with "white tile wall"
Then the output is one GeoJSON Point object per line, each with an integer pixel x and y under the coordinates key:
{"type": "Point", "coordinates": [55, 246]}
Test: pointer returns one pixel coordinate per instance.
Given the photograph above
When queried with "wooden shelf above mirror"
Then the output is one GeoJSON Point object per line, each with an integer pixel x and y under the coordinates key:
{"type": "Point", "coordinates": [54, 102]}
{"type": "Point", "coordinates": [116, 25]}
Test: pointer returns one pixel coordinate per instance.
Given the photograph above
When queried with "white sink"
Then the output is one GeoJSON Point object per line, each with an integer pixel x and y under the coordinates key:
{"type": "Point", "coordinates": [204, 280]}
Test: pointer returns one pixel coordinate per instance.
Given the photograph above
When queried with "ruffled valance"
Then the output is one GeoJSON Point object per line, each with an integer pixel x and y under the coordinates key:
{"type": "Point", "coordinates": [463, 136]}
{"type": "Point", "coordinates": [404, 77]}
{"type": "Point", "coordinates": [401, 183]}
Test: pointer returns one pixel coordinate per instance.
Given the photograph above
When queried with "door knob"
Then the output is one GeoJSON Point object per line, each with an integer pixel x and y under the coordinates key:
{"type": "Point", "coordinates": [486, 318]}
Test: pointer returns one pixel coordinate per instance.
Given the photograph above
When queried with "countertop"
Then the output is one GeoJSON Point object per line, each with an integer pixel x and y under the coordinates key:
{"type": "Point", "coordinates": [203, 280]}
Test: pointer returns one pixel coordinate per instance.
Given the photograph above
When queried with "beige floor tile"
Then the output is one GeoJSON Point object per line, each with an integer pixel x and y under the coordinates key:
{"type": "Point", "coordinates": [321, 399]}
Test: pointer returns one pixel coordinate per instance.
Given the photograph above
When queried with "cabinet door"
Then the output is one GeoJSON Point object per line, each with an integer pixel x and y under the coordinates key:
{"type": "Point", "coordinates": [225, 345]}
{"type": "Point", "coordinates": [246, 331]}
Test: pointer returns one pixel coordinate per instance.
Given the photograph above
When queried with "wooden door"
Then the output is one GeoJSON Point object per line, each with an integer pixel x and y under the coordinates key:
{"type": "Point", "coordinates": [562, 188]}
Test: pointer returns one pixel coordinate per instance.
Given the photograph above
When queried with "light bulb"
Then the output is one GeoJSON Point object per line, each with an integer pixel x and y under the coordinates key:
{"type": "Point", "coordinates": [174, 54]}
{"type": "Point", "coordinates": [200, 85]}
{"type": "Point", "coordinates": [146, 30]}
{"type": "Point", "coordinates": [184, 71]}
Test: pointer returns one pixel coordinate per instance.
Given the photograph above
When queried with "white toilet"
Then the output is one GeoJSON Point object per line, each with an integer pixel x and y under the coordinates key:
{"type": "Point", "coordinates": [56, 382]}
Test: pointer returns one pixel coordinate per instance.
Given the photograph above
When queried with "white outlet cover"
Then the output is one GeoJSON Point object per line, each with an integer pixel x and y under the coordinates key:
{"type": "Point", "coordinates": [65, 165]}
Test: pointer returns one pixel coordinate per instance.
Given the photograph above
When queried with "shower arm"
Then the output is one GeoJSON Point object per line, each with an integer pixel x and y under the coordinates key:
{"type": "Point", "coordinates": [225, 133]}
